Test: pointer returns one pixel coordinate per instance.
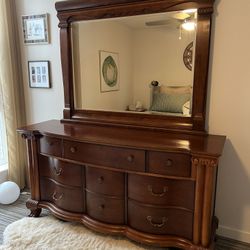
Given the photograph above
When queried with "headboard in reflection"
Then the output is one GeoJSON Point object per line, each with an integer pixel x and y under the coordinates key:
{"type": "Point", "coordinates": [134, 63]}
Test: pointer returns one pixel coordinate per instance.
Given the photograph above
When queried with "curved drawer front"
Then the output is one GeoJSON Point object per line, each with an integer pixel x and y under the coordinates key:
{"type": "Point", "coordinates": [169, 163]}
{"type": "Point", "coordinates": [63, 172]}
{"type": "Point", "coordinates": [105, 209]}
{"type": "Point", "coordinates": [67, 198]}
{"type": "Point", "coordinates": [122, 158]}
{"type": "Point", "coordinates": [161, 191]}
{"type": "Point", "coordinates": [157, 220]}
{"type": "Point", "coordinates": [105, 182]}
{"type": "Point", "coordinates": [51, 146]}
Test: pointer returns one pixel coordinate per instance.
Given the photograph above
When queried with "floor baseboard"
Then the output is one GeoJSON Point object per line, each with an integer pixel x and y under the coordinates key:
{"type": "Point", "coordinates": [233, 233]}
{"type": "Point", "coordinates": [223, 243]}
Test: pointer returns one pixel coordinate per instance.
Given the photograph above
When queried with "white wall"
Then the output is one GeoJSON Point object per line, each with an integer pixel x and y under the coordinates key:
{"type": "Point", "coordinates": [229, 114]}
{"type": "Point", "coordinates": [145, 54]}
{"type": "Point", "coordinates": [42, 104]}
{"type": "Point", "coordinates": [158, 55]}
{"type": "Point", "coordinates": [228, 102]}
{"type": "Point", "coordinates": [106, 36]}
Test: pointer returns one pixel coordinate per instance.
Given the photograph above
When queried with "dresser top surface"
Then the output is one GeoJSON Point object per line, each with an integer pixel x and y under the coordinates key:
{"type": "Point", "coordinates": [208, 145]}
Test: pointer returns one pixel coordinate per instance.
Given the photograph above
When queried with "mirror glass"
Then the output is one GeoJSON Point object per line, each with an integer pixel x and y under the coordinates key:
{"type": "Point", "coordinates": [140, 64]}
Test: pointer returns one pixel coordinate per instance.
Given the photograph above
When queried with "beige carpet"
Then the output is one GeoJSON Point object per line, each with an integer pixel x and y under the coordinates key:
{"type": "Point", "coordinates": [51, 233]}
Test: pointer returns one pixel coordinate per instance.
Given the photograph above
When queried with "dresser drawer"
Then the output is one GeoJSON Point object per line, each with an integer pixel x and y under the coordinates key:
{"type": "Point", "coordinates": [169, 163]}
{"type": "Point", "coordinates": [67, 198]}
{"type": "Point", "coordinates": [105, 182]}
{"type": "Point", "coordinates": [51, 146]}
{"type": "Point", "coordinates": [121, 158]}
{"type": "Point", "coordinates": [105, 209]}
{"type": "Point", "coordinates": [157, 220]}
{"type": "Point", "coordinates": [161, 191]}
{"type": "Point", "coordinates": [63, 172]}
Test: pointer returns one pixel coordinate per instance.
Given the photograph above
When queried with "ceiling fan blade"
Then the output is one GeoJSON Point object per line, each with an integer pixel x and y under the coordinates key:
{"type": "Point", "coordinates": [158, 23]}
{"type": "Point", "coordinates": [181, 16]}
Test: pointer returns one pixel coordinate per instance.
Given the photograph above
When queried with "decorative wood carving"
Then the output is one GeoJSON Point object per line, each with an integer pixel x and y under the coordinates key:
{"type": "Point", "coordinates": [71, 11]}
{"type": "Point", "coordinates": [35, 211]}
{"type": "Point", "coordinates": [165, 167]}
{"type": "Point", "coordinates": [156, 173]}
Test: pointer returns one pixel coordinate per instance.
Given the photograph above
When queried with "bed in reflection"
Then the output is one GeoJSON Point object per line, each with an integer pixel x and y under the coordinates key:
{"type": "Point", "coordinates": [171, 100]}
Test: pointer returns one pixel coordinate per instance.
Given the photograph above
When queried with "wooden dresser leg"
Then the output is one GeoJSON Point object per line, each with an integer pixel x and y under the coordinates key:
{"type": "Point", "coordinates": [32, 205]}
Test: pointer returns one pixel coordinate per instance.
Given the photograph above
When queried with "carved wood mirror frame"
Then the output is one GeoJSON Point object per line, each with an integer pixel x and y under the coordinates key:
{"type": "Point", "coordinates": [79, 10]}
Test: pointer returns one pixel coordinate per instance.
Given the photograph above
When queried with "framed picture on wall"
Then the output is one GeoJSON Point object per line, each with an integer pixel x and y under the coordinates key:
{"type": "Point", "coordinates": [109, 71]}
{"type": "Point", "coordinates": [39, 74]}
{"type": "Point", "coordinates": [35, 29]}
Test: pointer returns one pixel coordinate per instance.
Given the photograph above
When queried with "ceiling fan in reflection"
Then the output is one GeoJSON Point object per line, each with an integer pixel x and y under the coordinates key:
{"type": "Point", "coordinates": [182, 20]}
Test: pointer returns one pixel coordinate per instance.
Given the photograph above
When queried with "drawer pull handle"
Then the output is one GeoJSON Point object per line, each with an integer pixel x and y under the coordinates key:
{"type": "Point", "coordinates": [101, 207]}
{"type": "Point", "coordinates": [169, 163]}
{"type": "Point", "coordinates": [73, 149]}
{"type": "Point", "coordinates": [150, 189]}
{"type": "Point", "coordinates": [50, 143]}
{"type": "Point", "coordinates": [130, 158]}
{"type": "Point", "coordinates": [158, 225]}
{"type": "Point", "coordinates": [57, 197]}
{"type": "Point", "coordinates": [100, 180]}
{"type": "Point", "coordinates": [57, 171]}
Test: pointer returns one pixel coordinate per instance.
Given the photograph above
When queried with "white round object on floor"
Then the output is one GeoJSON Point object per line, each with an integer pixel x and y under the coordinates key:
{"type": "Point", "coordinates": [9, 192]}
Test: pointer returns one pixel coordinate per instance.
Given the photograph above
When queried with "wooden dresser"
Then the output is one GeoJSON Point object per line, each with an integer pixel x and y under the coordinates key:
{"type": "Point", "coordinates": [154, 187]}
{"type": "Point", "coordinates": [150, 177]}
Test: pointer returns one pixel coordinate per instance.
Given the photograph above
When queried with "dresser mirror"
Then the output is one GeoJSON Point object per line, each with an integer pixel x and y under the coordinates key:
{"type": "Point", "coordinates": [124, 63]}
{"type": "Point", "coordinates": [134, 64]}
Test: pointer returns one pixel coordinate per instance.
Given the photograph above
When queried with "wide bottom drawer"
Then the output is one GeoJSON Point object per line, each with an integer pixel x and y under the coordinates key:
{"type": "Point", "coordinates": [105, 209]}
{"type": "Point", "coordinates": [64, 197]}
{"type": "Point", "coordinates": [159, 220]}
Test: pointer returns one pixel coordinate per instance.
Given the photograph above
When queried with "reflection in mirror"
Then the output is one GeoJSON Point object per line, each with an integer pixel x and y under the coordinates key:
{"type": "Point", "coordinates": [135, 64]}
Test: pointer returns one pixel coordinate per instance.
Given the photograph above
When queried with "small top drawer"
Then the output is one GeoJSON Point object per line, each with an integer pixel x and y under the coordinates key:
{"type": "Point", "coordinates": [60, 171]}
{"type": "Point", "coordinates": [51, 146]}
{"type": "Point", "coordinates": [121, 158]}
{"type": "Point", "coordinates": [175, 164]}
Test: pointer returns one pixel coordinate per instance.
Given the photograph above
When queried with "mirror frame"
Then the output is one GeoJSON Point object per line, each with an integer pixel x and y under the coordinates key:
{"type": "Point", "coordinates": [80, 10]}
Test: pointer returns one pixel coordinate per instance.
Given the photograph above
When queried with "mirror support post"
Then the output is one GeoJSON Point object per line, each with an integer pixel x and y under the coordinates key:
{"type": "Point", "coordinates": [65, 42]}
{"type": "Point", "coordinates": [201, 67]}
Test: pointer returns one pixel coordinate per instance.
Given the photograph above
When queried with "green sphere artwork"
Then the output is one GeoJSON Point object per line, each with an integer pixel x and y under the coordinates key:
{"type": "Point", "coordinates": [110, 71]}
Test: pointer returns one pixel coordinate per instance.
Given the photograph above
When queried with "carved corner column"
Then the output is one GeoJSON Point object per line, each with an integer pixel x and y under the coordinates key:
{"type": "Point", "coordinates": [204, 170]}
{"type": "Point", "coordinates": [32, 149]}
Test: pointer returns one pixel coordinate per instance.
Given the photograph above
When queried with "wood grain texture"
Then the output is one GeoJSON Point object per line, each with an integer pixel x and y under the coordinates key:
{"type": "Point", "coordinates": [150, 178]}
{"type": "Point", "coordinates": [112, 195]}
{"type": "Point", "coordinates": [17, 210]}
{"type": "Point", "coordinates": [60, 171]}
{"type": "Point", "coordinates": [72, 11]}
{"type": "Point", "coordinates": [211, 145]}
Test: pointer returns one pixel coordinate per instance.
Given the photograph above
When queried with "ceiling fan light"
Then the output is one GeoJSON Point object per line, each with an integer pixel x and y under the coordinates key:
{"type": "Point", "coordinates": [188, 25]}
{"type": "Point", "coordinates": [189, 11]}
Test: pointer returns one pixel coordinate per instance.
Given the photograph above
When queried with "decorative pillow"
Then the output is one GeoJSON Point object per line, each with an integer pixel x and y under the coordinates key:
{"type": "Point", "coordinates": [169, 102]}
{"type": "Point", "coordinates": [176, 89]}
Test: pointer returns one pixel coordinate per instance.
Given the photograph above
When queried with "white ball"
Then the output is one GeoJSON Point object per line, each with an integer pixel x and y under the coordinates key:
{"type": "Point", "coordinates": [9, 192]}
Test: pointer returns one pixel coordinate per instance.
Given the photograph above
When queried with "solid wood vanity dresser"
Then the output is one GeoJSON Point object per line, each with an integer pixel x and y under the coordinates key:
{"type": "Point", "coordinates": [151, 178]}
{"type": "Point", "coordinates": [154, 187]}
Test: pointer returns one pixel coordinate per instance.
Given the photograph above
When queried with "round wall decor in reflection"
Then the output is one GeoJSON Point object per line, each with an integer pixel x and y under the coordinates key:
{"type": "Point", "coordinates": [109, 71]}
{"type": "Point", "coordinates": [188, 56]}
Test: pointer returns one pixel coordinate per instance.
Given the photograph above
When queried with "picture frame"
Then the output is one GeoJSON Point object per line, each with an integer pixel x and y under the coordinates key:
{"type": "Point", "coordinates": [35, 29]}
{"type": "Point", "coordinates": [109, 71]}
{"type": "Point", "coordinates": [39, 74]}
